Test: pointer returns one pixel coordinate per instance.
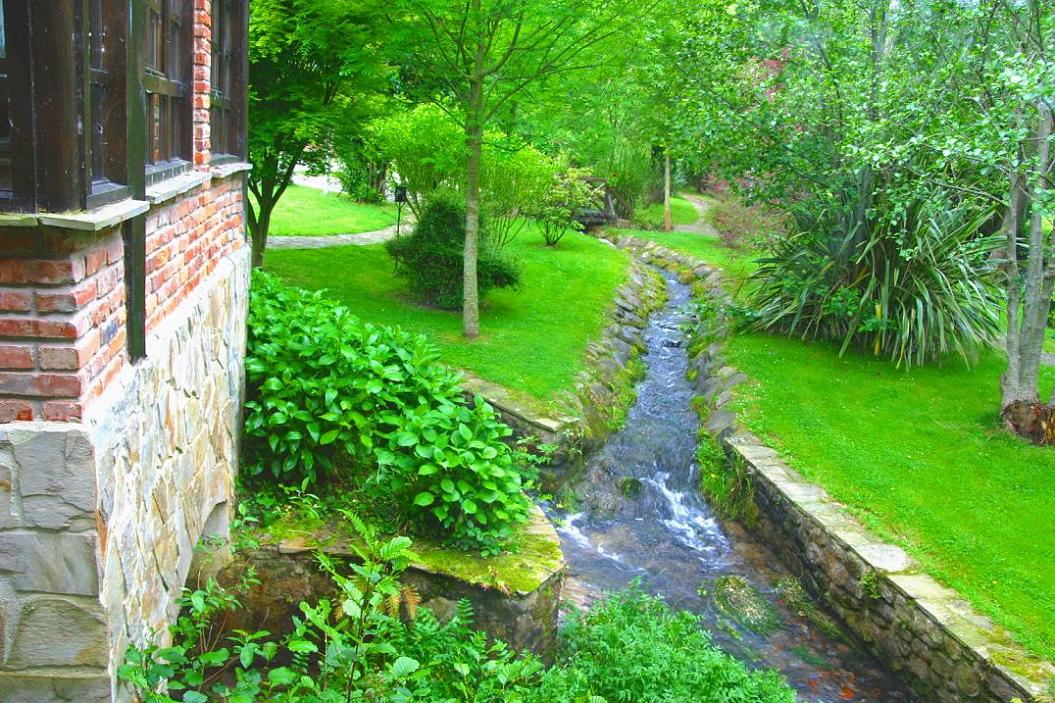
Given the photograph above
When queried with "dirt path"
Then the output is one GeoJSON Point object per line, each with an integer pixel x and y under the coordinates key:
{"type": "Point", "coordinates": [700, 226]}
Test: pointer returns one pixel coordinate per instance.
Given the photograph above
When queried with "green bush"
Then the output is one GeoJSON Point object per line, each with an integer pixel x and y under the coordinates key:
{"type": "Point", "coordinates": [741, 225]}
{"type": "Point", "coordinates": [916, 286]}
{"type": "Point", "coordinates": [372, 642]}
{"type": "Point", "coordinates": [337, 402]}
{"type": "Point", "coordinates": [633, 647]}
{"type": "Point", "coordinates": [431, 257]}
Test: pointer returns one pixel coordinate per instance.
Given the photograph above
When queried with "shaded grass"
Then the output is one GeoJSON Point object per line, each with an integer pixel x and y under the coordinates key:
{"type": "Point", "coordinates": [681, 211]}
{"type": "Point", "coordinates": [532, 340]}
{"type": "Point", "coordinates": [311, 212]}
{"type": "Point", "coordinates": [921, 457]}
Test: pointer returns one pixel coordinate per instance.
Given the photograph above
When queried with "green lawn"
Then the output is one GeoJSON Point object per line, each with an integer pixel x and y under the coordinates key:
{"type": "Point", "coordinates": [311, 212]}
{"type": "Point", "coordinates": [533, 339]}
{"type": "Point", "coordinates": [738, 264]}
{"type": "Point", "coordinates": [1049, 341]}
{"type": "Point", "coordinates": [681, 210]}
{"type": "Point", "coordinates": [921, 457]}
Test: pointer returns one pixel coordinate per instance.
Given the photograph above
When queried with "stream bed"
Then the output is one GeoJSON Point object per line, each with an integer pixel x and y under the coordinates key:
{"type": "Point", "coordinates": [640, 516]}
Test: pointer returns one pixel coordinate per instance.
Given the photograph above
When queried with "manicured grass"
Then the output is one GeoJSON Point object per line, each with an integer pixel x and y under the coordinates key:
{"type": "Point", "coordinates": [1049, 341]}
{"type": "Point", "coordinates": [920, 455]}
{"type": "Point", "coordinates": [738, 264]}
{"type": "Point", "coordinates": [311, 212]}
{"type": "Point", "coordinates": [681, 211]}
{"type": "Point", "coordinates": [532, 340]}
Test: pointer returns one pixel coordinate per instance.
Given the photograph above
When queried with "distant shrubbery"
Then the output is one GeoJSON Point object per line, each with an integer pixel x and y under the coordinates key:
{"type": "Point", "coordinates": [741, 225]}
{"type": "Point", "coordinates": [431, 259]}
{"type": "Point", "coordinates": [336, 402]}
{"type": "Point", "coordinates": [373, 643]}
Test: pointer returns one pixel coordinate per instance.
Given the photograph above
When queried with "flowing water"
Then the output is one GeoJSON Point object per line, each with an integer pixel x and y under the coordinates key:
{"type": "Point", "coordinates": [642, 517]}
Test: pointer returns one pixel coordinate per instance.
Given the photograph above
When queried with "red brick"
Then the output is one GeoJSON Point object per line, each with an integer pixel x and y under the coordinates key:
{"type": "Point", "coordinates": [41, 271]}
{"type": "Point", "coordinates": [47, 328]}
{"type": "Point", "coordinates": [70, 357]}
{"type": "Point", "coordinates": [62, 411]}
{"type": "Point", "coordinates": [115, 251]}
{"type": "Point", "coordinates": [41, 385]}
{"type": "Point", "coordinates": [16, 411]}
{"type": "Point", "coordinates": [16, 301]}
{"type": "Point", "coordinates": [94, 260]}
{"type": "Point", "coordinates": [68, 299]}
{"type": "Point", "coordinates": [16, 356]}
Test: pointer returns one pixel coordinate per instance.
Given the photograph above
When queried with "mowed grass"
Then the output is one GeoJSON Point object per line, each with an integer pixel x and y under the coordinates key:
{"type": "Point", "coordinates": [533, 340]}
{"type": "Point", "coordinates": [681, 211]}
{"type": "Point", "coordinates": [921, 457]}
{"type": "Point", "coordinates": [303, 211]}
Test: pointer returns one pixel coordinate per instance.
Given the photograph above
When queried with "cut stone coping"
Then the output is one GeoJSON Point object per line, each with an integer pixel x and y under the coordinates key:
{"type": "Point", "coordinates": [176, 186]}
{"type": "Point", "coordinates": [230, 169]}
{"type": "Point", "coordinates": [92, 220]}
{"type": "Point", "coordinates": [506, 402]}
{"type": "Point", "coordinates": [538, 557]}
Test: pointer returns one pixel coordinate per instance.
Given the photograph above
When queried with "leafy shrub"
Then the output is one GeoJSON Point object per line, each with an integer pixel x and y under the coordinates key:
{"type": "Point", "coordinates": [568, 194]}
{"type": "Point", "coordinates": [334, 400]}
{"type": "Point", "coordinates": [633, 647]}
{"type": "Point", "coordinates": [914, 287]}
{"type": "Point", "coordinates": [431, 257]}
{"type": "Point", "coordinates": [514, 180]}
{"type": "Point", "coordinates": [372, 642]}
{"type": "Point", "coordinates": [741, 225]}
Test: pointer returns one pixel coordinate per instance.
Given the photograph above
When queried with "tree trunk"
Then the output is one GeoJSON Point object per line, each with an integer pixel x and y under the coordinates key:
{"type": "Point", "coordinates": [1029, 295]}
{"type": "Point", "coordinates": [668, 218]}
{"type": "Point", "coordinates": [474, 142]}
{"type": "Point", "coordinates": [259, 225]}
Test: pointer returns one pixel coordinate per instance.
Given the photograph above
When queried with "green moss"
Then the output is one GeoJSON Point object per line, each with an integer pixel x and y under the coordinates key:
{"type": "Point", "coordinates": [725, 481]}
{"type": "Point", "coordinates": [738, 600]}
{"type": "Point", "coordinates": [794, 597]}
{"type": "Point", "coordinates": [537, 556]}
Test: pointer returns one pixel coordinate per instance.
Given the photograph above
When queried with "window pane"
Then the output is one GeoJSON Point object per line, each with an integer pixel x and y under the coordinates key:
{"type": "Point", "coordinates": [5, 117]}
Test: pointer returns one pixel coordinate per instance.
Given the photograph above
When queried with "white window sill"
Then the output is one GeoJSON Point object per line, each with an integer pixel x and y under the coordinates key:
{"type": "Point", "coordinates": [176, 186]}
{"type": "Point", "coordinates": [227, 170]}
{"type": "Point", "coordinates": [81, 220]}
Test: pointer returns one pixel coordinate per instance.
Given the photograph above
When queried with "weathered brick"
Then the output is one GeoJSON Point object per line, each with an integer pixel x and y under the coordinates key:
{"type": "Point", "coordinates": [43, 328]}
{"type": "Point", "coordinates": [16, 356]}
{"type": "Point", "coordinates": [62, 411]}
{"type": "Point", "coordinates": [41, 271]}
{"type": "Point", "coordinates": [69, 357]}
{"type": "Point", "coordinates": [16, 411]}
{"type": "Point", "coordinates": [40, 385]}
{"type": "Point", "coordinates": [16, 301]}
{"type": "Point", "coordinates": [69, 299]}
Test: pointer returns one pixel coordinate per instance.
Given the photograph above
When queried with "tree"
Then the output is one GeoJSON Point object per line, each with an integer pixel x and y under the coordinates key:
{"type": "Point", "coordinates": [473, 58]}
{"type": "Point", "coordinates": [315, 76]}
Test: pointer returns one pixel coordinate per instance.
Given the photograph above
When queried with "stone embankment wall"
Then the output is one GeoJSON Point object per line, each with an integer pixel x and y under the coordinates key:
{"type": "Point", "coordinates": [522, 614]}
{"type": "Point", "coordinates": [947, 651]}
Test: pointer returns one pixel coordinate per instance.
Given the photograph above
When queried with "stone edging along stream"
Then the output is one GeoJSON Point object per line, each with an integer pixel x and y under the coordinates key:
{"type": "Point", "coordinates": [920, 628]}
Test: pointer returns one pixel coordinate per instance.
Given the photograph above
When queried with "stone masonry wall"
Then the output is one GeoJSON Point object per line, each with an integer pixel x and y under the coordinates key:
{"type": "Point", "coordinates": [949, 652]}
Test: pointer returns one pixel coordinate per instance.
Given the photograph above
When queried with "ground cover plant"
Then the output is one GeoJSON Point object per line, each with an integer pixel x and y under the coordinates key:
{"type": "Point", "coordinates": [919, 456]}
{"type": "Point", "coordinates": [651, 217]}
{"type": "Point", "coordinates": [337, 405]}
{"type": "Point", "coordinates": [310, 212]}
{"type": "Point", "coordinates": [373, 642]}
{"type": "Point", "coordinates": [534, 339]}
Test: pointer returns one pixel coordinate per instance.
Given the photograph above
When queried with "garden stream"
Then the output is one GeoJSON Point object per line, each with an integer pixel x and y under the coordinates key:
{"type": "Point", "coordinates": [642, 518]}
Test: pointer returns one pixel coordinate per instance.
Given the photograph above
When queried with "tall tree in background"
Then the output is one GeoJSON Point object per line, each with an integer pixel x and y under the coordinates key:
{"type": "Point", "coordinates": [473, 58]}
{"type": "Point", "coordinates": [315, 76]}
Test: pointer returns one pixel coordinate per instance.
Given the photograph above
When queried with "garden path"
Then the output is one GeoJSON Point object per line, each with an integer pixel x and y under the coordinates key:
{"type": "Point", "coordinates": [338, 240]}
{"type": "Point", "coordinates": [1047, 359]}
{"type": "Point", "coordinates": [700, 226]}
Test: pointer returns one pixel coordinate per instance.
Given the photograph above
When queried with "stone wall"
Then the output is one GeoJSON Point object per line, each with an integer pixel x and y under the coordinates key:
{"type": "Point", "coordinates": [98, 519]}
{"type": "Point", "coordinates": [925, 631]}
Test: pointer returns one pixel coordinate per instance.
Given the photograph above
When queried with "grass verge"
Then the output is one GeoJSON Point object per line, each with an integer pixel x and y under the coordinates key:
{"type": "Point", "coordinates": [310, 212]}
{"type": "Point", "coordinates": [681, 211]}
{"type": "Point", "coordinates": [532, 340]}
{"type": "Point", "coordinates": [738, 264]}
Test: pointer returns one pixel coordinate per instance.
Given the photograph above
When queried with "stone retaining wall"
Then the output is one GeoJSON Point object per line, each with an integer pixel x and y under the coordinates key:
{"type": "Point", "coordinates": [922, 629]}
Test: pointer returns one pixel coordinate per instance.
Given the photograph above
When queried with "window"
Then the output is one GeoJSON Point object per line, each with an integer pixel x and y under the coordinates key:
{"type": "Point", "coordinates": [169, 53]}
{"type": "Point", "coordinates": [5, 118]}
{"type": "Point", "coordinates": [105, 145]}
{"type": "Point", "coordinates": [228, 78]}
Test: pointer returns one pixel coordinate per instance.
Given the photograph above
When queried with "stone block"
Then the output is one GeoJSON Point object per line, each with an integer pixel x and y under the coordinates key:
{"type": "Point", "coordinates": [88, 686]}
{"type": "Point", "coordinates": [53, 469]}
{"type": "Point", "coordinates": [57, 631]}
{"type": "Point", "coordinates": [50, 562]}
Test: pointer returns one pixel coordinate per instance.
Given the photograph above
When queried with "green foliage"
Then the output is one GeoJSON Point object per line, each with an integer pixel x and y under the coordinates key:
{"type": "Point", "coordinates": [632, 647]}
{"type": "Point", "coordinates": [568, 194]}
{"type": "Point", "coordinates": [535, 337]}
{"type": "Point", "coordinates": [740, 225]}
{"type": "Point", "coordinates": [917, 288]}
{"type": "Point", "coordinates": [651, 217]}
{"type": "Point", "coordinates": [431, 257]}
{"type": "Point", "coordinates": [337, 401]}
{"type": "Point", "coordinates": [514, 179]}
{"type": "Point", "coordinates": [310, 212]}
{"type": "Point", "coordinates": [725, 481]}
{"type": "Point", "coordinates": [425, 147]}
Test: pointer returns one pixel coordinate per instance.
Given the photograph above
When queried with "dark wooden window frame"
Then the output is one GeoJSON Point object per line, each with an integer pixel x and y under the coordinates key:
{"type": "Point", "coordinates": [227, 115]}
{"type": "Point", "coordinates": [103, 55]}
{"type": "Point", "coordinates": [168, 81]}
